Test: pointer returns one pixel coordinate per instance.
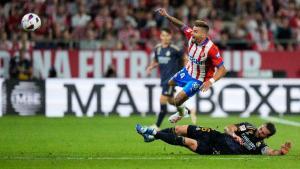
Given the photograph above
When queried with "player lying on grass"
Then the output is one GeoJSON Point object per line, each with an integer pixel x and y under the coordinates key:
{"type": "Point", "coordinates": [241, 138]}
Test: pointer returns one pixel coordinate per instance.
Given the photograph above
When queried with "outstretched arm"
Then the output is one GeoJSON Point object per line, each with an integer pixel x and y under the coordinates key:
{"type": "Point", "coordinates": [151, 66]}
{"type": "Point", "coordinates": [285, 148]}
{"type": "Point", "coordinates": [174, 20]}
{"type": "Point", "coordinates": [230, 130]}
{"type": "Point", "coordinates": [221, 72]}
{"type": "Point", "coordinates": [218, 62]}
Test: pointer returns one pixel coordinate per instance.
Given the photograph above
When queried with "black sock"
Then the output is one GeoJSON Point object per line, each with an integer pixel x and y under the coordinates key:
{"type": "Point", "coordinates": [170, 138]}
{"type": "Point", "coordinates": [162, 114]}
{"type": "Point", "coordinates": [168, 130]}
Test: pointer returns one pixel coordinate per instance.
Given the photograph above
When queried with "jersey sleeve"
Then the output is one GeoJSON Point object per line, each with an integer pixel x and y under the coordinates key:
{"type": "Point", "coordinates": [263, 149]}
{"type": "Point", "coordinates": [215, 56]}
{"type": "Point", "coordinates": [187, 31]}
{"type": "Point", "coordinates": [260, 149]}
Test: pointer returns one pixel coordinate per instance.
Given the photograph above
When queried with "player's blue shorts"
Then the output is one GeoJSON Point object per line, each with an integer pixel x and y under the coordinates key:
{"type": "Point", "coordinates": [189, 84]}
{"type": "Point", "coordinates": [168, 90]}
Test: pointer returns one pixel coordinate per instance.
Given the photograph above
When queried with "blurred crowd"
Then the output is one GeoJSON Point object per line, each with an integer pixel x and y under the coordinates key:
{"type": "Point", "coordinates": [133, 25]}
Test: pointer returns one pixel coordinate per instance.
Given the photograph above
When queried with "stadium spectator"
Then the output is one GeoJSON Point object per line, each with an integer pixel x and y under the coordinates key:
{"type": "Point", "coordinates": [123, 19]}
{"type": "Point", "coordinates": [248, 24]}
{"type": "Point", "coordinates": [52, 72]}
{"type": "Point", "coordinates": [128, 35]}
{"type": "Point", "coordinates": [20, 67]}
{"type": "Point", "coordinates": [78, 22]}
{"type": "Point", "coordinates": [284, 35]}
{"type": "Point", "coordinates": [90, 42]}
{"type": "Point", "coordinates": [60, 19]}
{"type": "Point", "coordinates": [110, 72]}
{"type": "Point", "coordinates": [5, 43]}
{"type": "Point", "coordinates": [114, 43]}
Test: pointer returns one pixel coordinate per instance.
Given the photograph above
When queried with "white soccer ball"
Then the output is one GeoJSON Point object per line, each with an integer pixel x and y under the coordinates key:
{"type": "Point", "coordinates": [31, 22]}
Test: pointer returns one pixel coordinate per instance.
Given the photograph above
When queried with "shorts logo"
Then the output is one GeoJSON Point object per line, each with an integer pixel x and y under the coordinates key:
{"type": "Point", "coordinates": [195, 86]}
{"type": "Point", "coordinates": [182, 75]}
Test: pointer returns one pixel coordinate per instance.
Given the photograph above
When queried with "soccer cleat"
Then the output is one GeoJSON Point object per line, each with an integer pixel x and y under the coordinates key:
{"type": "Point", "coordinates": [146, 132]}
{"type": "Point", "coordinates": [176, 117]}
{"type": "Point", "coordinates": [148, 138]}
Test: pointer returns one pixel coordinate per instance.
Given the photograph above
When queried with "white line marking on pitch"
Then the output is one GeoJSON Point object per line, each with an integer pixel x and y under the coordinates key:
{"type": "Point", "coordinates": [282, 121]}
{"type": "Point", "coordinates": [132, 158]}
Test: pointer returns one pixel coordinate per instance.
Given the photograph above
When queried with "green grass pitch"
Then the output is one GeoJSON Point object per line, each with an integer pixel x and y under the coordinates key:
{"type": "Point", "coordinates": [111, 142]}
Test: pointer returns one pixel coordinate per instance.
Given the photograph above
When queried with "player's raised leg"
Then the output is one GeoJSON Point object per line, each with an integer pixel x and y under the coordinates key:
{"type": "Point", "coordinates": [171, 138]}
{"type": "Point", "coordinates": [205, 64]}
{"type": "Point", "coordinates": [182, 111]}
{"type": "Point", "coordinates": [190, 87]}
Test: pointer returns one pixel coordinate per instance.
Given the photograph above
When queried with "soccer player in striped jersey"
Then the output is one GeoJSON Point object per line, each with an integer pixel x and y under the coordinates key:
{"type": "Point", "coordinates": [199, 73]}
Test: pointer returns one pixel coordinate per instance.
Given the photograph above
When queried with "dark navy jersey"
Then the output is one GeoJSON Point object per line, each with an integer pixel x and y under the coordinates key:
{"type": "Point", "coordinates": [170, 61]}
{"type": "Point", "coordinates": [211, 141]}
{"type": "Point", "coordinates": [251, 144]}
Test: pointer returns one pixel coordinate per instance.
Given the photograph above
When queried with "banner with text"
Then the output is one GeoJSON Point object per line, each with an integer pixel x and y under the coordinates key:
{"type": "Point", "coordinates": [128, 96]}
{"type": "Point", "coordinates": [132, 64]}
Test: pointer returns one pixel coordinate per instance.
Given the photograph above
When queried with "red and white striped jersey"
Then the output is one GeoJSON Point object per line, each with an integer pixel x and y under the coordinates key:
{"type": "Point", "coordinates": [203, 58]}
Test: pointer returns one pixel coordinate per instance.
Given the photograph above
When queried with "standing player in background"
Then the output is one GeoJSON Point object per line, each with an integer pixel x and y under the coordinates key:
{"type": "Point", "coordinates": [170, 60]}
{"type": "Point", "coordinates": [199, 73]}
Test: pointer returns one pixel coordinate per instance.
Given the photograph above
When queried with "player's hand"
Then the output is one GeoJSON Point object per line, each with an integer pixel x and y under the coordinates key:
{"type": "Point", "coordinates": [285, 148]}
{"type": "Point", "coordinates": [237, 139]}
{"type": "Point", "coordinates": [162, 11]}
{"type": "Point", "coordinates": [148, 71]}
{"type": "Point", "coordinates": [205, 86]}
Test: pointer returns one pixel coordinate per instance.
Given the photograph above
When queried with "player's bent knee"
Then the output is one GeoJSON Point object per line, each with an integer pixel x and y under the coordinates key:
{"type": "Point", "coordinates": [181, 98]}
{"type": "Point", "coordinates": [177, 101]}
{"type": "Point", "coordinates": [164, 99]}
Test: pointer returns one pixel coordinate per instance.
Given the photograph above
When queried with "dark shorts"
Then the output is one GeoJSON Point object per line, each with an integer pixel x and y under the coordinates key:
{"type": "Point", "coordinates": [207, 139]}
{"type": "Point", "coordinates": [168, 90]}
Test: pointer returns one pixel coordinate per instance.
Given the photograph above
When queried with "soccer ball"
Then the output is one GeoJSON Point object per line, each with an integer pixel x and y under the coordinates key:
{"type": "Point", "coordinates": [31, 22]}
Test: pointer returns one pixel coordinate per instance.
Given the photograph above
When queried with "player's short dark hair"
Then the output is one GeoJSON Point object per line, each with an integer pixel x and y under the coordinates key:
{"type": "Point", "coordinates": [201, 24]}
{"type": "Point", "coordinates": [271, 127]}
{"type": "Point", "coordinates": [168, 30]}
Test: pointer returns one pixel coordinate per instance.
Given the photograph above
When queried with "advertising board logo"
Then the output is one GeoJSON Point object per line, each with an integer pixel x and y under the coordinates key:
{"type": "Point", "coordinates": [26, 98]}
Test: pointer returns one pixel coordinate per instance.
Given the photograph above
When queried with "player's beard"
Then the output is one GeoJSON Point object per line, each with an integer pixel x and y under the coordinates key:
{"type": "Point", "coordinates": [194, 40]}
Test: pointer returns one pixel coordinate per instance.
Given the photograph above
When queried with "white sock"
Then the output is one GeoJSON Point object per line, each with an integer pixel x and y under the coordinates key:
{"type": "Point", "coordinates": [154, 132]}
